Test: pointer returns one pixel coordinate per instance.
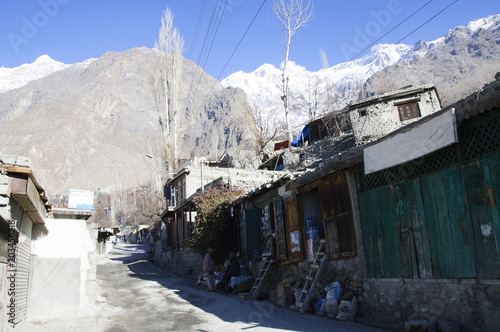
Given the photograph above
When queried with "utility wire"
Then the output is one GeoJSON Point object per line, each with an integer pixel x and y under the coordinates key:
{"type": "Point", "coordinates": [248, 28]}
{"type": "Point", "coordinates": [212, 92]}
{"type": "Point", "coordinates": [433, 17]}
{"type": "Point", "coordinates": [215, 35]}
{"type": "Point", "coordinates": [197, 76]}
{"type": "Point", "coordinates": [399, 24]}
{"type": "Point", "coordinates": [388, 32]}
{"type": "Point", "coordinates": [197, 29]}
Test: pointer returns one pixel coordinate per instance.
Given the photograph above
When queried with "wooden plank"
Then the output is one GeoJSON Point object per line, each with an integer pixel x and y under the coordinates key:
{"type": "Point", "coordinates": [370, 220]}
{"type": "Point", "coordinates": [253, 232]}
{"type": "Point", "coordinates": [327, 207]}
{"type": "Point", "coordinates": [402, 227]}
{"type": "Point", "coordinates": [343, 214]}
{"type": "Point", "coordinates": [243, 236]}
{"type": "Point", "coordinates": [491, 173]}
{"type": "Point", "coordinates": [280, 228]}
{"type": "Point", "coordinates": [460, 226]}
{"type": "Point", "coordinates": [481, 220]}
{"type": "Point", "coordinates": [390, 239]}
{"type": "Point", "coordinates": [416, 215]}
{"type": "Point", "coordinates": [436, 214]}
{"type": "Point", "coordinates": [294, 230]}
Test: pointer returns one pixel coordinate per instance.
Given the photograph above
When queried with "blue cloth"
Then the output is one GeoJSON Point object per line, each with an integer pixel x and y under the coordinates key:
{"type": "Point", "coordinates": [303, 136]}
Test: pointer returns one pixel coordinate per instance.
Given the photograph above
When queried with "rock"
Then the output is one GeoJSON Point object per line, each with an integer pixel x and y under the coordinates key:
{"type": "Point", "coordinates": [420, 325]}
{"type": "Point", "coordinates": [356, 284]}
{"type": "Point", "coordinates": [366, 286]}
{"type": "Point", "coordinates": [347, 297]}
{"type": "Point", "coordinates": [448, 326]}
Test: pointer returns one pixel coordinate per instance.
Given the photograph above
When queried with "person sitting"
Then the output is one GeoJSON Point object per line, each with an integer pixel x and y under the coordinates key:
{"type": "Point", "coordinates": [232, 270]}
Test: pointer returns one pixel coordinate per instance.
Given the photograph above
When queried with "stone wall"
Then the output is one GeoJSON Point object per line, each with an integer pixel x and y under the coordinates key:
{"type": "Point", "coordinates": [380, 118]}
{"type": "Point", "coordinates": [184, 261]}
{"type": "Point", "coordinates": [465, 305]}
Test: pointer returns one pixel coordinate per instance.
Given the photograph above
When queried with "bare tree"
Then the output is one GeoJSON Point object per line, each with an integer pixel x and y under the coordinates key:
{"type": "Point", "coordinates": [308, 98]}
{"type": "Point", "coordinates": [291, 15]}
{"type": "Point", "coordinates": [167, 82]}
{"type": "Point", "coordinates": [267, 130]}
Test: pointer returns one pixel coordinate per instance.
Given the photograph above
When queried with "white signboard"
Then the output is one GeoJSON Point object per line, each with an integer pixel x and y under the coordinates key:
{"type": "Point", "coordinates": [81, 199]}
{"type": "Point", "coordinates": [427, 137]}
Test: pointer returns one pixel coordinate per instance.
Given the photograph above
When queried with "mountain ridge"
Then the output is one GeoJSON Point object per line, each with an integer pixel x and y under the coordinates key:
{"type": "Point", "coordinates": [348, 77]}
{"type": "Point", "coordinates": [91, 126]}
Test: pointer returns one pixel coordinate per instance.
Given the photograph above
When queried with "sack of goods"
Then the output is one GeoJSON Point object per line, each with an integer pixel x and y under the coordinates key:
{"type": "Point", "coordinates": [348, 309]}
{"type": "Point", "coordinates": [333, 294]}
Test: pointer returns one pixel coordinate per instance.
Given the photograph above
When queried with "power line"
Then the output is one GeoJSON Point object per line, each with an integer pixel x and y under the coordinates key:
{"type": "Point", "coordinates": [399, 24]}
{"type": "Point", "coordinates": [388, 32]}
{"type": "Point", "coordinates": [215, 35]}
{"type": "Point", "coordinates": [197, 29]}
{"type": "Point", "coordinates": [210, 38]}
{"type": "Point", "coordinates": [212, 92]}
{"type": "Point", "coordinates": [433, 17]}
{"type": "Point", "coordinates": [248, 28]}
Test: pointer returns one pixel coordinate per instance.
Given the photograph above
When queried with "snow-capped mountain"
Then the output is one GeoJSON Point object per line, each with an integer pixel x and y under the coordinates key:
{"type": "Point", "coordinates": [11, 78]}
{"type": "Point", "coordinates": [343, 82]}
{"type": "Point", "coordinates": [308, 90]}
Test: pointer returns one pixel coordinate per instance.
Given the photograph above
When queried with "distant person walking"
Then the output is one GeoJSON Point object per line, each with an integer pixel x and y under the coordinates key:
{"type": "Point", "coordinates": [209, 269]}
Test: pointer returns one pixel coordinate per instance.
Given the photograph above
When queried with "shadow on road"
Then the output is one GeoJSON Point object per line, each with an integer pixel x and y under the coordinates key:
{"type": "Point", "coordinates": [247, 314]}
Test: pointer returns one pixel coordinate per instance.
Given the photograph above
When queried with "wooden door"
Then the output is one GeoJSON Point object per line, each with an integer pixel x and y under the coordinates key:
{"type": "Point", "coordinates": [279, 224]}
{"type": "Point", "coordinates": [295, 238]}
{"type": "Point", "coordinates": [338, 216]}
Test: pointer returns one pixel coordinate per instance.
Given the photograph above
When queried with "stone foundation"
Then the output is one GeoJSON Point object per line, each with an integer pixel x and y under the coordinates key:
{"type": "Point", "coordinates": [471, 304]}
{"type": "Point", "coordinates": [184, 261]}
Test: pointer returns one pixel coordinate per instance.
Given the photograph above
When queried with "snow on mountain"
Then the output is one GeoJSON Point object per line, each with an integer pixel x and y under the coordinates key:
{"type": "Point", "coordinates": [308, 91]}
{"type": "Point", "coordinates": [12, 78]}
{"type": "Point", "coordinates": [491, 22]}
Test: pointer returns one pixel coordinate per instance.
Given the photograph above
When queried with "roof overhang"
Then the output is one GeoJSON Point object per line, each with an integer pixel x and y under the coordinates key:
{"type": "Point", "coordinates": [392, 95]}
{"type": "Point", "coordinates": [24, 191]}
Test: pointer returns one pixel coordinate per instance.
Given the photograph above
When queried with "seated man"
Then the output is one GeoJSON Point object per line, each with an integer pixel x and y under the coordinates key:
{"type": "Point", "coordinates": [232, 270]}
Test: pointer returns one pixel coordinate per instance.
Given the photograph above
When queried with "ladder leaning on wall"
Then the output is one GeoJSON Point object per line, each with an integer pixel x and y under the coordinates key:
{"type": "Point", "coordinates": [320, 258]}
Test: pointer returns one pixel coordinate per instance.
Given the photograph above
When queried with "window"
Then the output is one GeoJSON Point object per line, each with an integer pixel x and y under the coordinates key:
{"type": "Point", "coordinates": [179, 190]}
{"type": "Point", "coordinates": [337, 215]}
{"type": "Point", "coordinates": [408, 111]}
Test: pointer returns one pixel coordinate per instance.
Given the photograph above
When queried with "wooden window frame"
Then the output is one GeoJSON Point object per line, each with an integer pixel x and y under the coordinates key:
{"type": "Point", "coordinates": [338, 216]}
{"type": "Point", "coordinates": [409, 110]}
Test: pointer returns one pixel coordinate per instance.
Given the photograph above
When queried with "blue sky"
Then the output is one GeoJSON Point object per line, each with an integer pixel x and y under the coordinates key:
{"type": "Point", "coordinates": [74, 30]}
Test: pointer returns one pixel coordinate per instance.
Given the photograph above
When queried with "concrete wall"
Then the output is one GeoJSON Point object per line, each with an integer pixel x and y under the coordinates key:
{"type": "Point", "coordinates": [63, 271]}
{"type": "Point", "coordinates": [382, 118]}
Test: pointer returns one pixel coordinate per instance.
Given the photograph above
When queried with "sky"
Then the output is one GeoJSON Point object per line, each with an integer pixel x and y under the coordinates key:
{"type": "Point", "coordinates": [72, 31]}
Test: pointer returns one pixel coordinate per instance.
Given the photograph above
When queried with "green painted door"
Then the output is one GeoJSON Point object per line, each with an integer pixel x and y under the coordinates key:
{"type": "Point", "coordinates": [448, 225]}
{"type": "Point", "coordinates": [483, 188]}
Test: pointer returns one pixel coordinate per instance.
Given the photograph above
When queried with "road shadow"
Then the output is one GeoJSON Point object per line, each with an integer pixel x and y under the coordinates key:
{"type": "Point", "coordinates": [254, 314]}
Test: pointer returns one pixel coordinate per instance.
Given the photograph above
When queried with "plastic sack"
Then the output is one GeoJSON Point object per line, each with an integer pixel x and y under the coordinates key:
{"type": "Point", "coordinates": [333, 291]}
{"type": "Point", "coordinates": [348, 309]}
{"type": "Point", "coordinates": [318, 305]}
{"type": "Point", "coordinates": [296, 294]}
{"type": "Point", "coordinates": [333, 294]}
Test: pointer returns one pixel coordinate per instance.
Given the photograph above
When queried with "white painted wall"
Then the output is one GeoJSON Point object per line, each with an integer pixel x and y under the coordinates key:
{"type": "Point", "coordinates": [382, 117]}
{"type": "Point", "coordinates": [63, 265]}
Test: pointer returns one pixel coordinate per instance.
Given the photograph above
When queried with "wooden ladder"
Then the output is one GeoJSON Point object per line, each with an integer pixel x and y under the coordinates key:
{"type": "Point", "coordinates": [261, 278]}
{"type": "Point", "coordinates": [317, 266]}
